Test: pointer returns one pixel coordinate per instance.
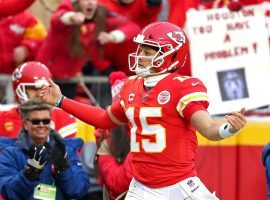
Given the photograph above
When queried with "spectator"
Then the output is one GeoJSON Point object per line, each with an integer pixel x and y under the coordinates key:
{"type": "Point", "coordinates": [40, 160]}
{"type": "Point", "coordinates": [114, 162]}
{"type": "Point", "coordinates": [113, 157]}
{"type": "Point", "coordinates": [13, 7]}
{"type": "Point", "coordinates": [143, 12]}
{"type": "Point", "coordinates": [84, 29]}
{"type": "Point", "coordinates": [110, 165]}
{"type": "Point", "coordinates": [266, 163]}
{"type": "Point", "coordinates": [163, 111]}
{"type": "Point", "coordinates": [21, 36]}
{"type": "Point", "coordinates": [26, 80]}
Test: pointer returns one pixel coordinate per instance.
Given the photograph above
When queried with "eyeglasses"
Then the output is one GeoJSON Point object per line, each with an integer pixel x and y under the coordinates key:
{"type": "Point", "coordinates": [37, 121]}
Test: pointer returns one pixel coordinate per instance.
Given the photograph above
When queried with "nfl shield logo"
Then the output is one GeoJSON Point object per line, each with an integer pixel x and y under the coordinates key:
{"type": "Point", "coordinates": [190, 183]}
{"type": "Point", "coordinates": [144, 97]}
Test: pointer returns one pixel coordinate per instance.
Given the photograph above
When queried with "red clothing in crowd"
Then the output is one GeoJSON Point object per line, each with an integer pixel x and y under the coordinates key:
{"type": "Point", "coordinates": [11, 123]}
{"type": "Point", "coordinates": [139, 11]}
{"type": "Point", "coordinates": [117, 176]}
{"type": "Point", "coordinates": [55, 51]}
{"type": "Point", "coordinates": [19, 30]}
{"type": "Point", "coordinates": [13, 7]}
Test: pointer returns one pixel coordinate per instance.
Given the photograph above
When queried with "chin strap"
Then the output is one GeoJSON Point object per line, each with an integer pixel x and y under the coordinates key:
{"type": "Point", "coordinates": [151, 81]}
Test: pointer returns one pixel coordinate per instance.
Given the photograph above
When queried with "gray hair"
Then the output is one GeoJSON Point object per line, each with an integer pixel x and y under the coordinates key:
{"type": "Point", "coordinates": [32, 105]}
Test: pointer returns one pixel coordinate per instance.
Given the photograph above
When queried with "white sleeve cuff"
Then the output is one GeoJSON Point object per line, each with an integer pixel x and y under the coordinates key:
{"type": "Point", "coordinates": [66, 18]}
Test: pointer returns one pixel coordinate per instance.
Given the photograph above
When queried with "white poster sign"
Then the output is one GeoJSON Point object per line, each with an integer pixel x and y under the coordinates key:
{"type": "Point", "coordinates": [230, 54]}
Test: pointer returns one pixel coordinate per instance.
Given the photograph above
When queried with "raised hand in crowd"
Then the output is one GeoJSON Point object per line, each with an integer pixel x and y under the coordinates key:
{"type": "Point", "coordinates": [74, 18]}
{"type": "Point", "coordinates": [58, 155]}
{"type": "Point", "coordinates": [37, 158]}
{"type": "Point", "coordinates": [104, 37]}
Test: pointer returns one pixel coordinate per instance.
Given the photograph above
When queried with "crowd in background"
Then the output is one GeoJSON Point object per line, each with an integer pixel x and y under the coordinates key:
{"type": "Point", "coordinates": [85, 38]}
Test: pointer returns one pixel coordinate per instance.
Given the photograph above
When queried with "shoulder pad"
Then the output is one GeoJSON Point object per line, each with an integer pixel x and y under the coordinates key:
{"type": "Point", "coordinates": [133, 77]}
{"type": "Point", "coordinates": [188, 81]}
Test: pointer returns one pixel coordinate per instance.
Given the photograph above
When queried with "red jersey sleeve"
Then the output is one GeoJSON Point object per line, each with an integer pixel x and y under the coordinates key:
{"type": "Point", "coordinates": [92, 115]}
{"type": "Point", "coordinates": [64, 123]}
{"type": "Point", "coordinates": [193, 97]}
{"type": "Point", "coordinates": [118, 112]}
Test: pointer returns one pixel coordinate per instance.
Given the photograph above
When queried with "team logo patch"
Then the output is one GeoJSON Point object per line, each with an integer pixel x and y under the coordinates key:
{"type": "Point", "coordinates": [164, 97]}
{"type": "Point", "coordinates": [190, 183]}
{"type": "Point", "coordinates": [177, 37]}
{"type": "Point", "coordinates": [9, 126]}
{"type": "Point", "coordinates": [17, 74]}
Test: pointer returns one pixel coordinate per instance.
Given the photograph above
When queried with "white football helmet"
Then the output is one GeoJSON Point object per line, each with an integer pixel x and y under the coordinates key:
{"type": "Point", "coordinates": [29, 74]}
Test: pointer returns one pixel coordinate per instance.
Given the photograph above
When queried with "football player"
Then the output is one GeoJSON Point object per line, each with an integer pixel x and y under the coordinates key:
{"type": "Point", "coordinates": [27, 80]}
{"type": "Point", "coordinates": [163, 111]}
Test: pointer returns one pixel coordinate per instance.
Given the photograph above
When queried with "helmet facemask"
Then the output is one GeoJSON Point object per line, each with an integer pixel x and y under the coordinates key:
{"type": "Point", "coordinates": [21, 89]}
{"type": "Point", "coordinates": [158, 61]}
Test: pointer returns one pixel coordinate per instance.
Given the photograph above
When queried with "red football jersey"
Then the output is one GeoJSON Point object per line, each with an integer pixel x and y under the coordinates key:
{"type": "Point", "coordinates": [163, 142]}
{"type": "Point", "coordinates": [10, 123]}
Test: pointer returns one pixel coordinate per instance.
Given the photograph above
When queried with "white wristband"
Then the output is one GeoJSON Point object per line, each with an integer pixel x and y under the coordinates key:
{"type": "Point", "coordinates": [224, 131]}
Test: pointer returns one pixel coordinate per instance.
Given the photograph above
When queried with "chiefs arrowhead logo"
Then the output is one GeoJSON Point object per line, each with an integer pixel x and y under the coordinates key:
{"type": "Point", "coordinates": [177, 37]}
{"type": "Point", "coordinates": [17, 74]}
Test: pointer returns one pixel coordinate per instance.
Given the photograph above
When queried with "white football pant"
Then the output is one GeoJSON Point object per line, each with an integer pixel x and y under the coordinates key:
{"type": "Point", "coordinates": [189, 189]}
